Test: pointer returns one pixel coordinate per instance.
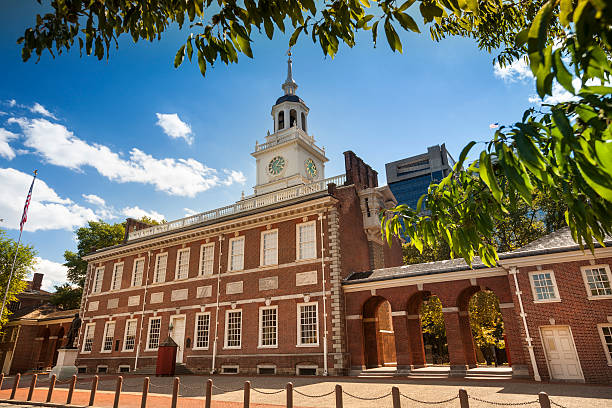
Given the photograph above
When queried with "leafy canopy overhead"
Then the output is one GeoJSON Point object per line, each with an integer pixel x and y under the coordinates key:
{"type": "Point", "coordinates": [564, 149]}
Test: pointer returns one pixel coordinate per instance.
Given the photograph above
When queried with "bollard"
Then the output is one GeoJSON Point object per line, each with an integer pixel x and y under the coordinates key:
{"type": "Point", "coordinates": [464, 402]}
{"type": "Point", "coordinates": [395, 394]}
{"type": "Point", "coordinates": [289, 389]}
{"type": "Point", "coordinates": [118, 391]}
{"type": "Point", "coordinates": [247, 394]}
{"type": "Point", "coordinates": [94, 387]}
{"type": "Point", "coordinates": [32, 386]}
{"type": "Point", "coordinates": [338, 396]}
{"type": "Point", "coordinates": [544, 400]}
{"type": "Point", "coordinates": [71, 390]}
{"type": "Point", "coordinates": [15, 385]}
{"type": "Point", "coordinates": [1, 379]}
{"type": "Point", "coordinates": [145, 392]}
{"type": "Point", "coordinates": [208, 402]}
{"type": "Point", "coordinates": [51, 387]}
{"type": "Point", "coordinates": [175, 390]}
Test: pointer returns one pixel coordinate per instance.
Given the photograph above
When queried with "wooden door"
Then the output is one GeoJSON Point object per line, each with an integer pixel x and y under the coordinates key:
{"type": "Point", "coordinates": [561, 353]}
{"type": "Point", "coordinates": [178, 335]}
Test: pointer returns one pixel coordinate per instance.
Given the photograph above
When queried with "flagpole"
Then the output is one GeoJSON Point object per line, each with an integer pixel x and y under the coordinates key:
{"type": "Point", "coordinates": [8, 286]}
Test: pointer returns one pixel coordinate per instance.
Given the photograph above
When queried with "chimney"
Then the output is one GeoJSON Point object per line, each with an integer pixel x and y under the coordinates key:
{"type": "Point", "coordinates": [37, 281]}
{"type": "Point", "coordinates": [358, 172]}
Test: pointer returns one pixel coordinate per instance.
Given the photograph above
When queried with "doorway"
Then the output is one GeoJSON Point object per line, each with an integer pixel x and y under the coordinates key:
{"type": "Point", "coordinates": [561, 354]}
{"type": "Point", "coordinates": [178, 335]}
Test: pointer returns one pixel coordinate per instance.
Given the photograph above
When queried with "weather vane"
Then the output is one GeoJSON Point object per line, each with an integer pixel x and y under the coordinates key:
{"type": "Point", "coordinates": [289, 51]}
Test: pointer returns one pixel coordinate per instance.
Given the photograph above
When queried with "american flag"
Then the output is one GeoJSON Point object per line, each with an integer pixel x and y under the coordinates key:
{"type": "Point", "coordinates": [24, 217]}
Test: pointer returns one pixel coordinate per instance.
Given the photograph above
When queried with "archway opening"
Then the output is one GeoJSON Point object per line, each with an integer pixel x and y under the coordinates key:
{"type": "Point", "coordinates": [303, 122]}
{"type": "Point", "coordinates": [292, 118]}
{"type": "Point", "coordinates": [281, 120]}
{"type": "Point", "coordinates": [433, 330]}
{"type": "Point", "coordinates": [487, 328]}
{"type": "Point", "coordinates": [378, 333]}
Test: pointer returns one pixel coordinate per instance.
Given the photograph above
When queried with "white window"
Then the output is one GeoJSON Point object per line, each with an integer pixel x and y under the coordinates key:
{"type": "Point", "coordinates": [138, 272]}
{"type": "Point", "coordinates": [202, 330]}
{"type": "Point", "coordinates": [117, 275]}
{"type": "Point", "coordinates": [109, 335]}
{"type": "Point", "coordinates": [306, 241]}
{"type": "Point", "coordinates": [233, 328]}
{"type": "Point", "coordinates": [154, 331]}
{"type": "Point", "coordinates": [97, 284]}
{"type": "Point", "coordinates": [308, 324]}
{"type": "Point", "coordinates": [159, 275]}
{"type": "Point", "coordinates": [268, 326]}
{"type": "Point", "coordinates": [269, 247]}
{"type": "Point", "coordinates": [544, 286]}
{"type": "Point", "coordinates": [605, 332]}
{"type": "Point", "coordinates": [236, 254]}
{"type": "Point", "coordinates": [182, 264]}
{"type": "Point", "coordinates": [207, 257]}
{"type": "Point", "coordinates": [129, 342]}
{"type": "Point", "coordinates": [597, 279]}
{"type": "Point", "coordinates": [88, 337]}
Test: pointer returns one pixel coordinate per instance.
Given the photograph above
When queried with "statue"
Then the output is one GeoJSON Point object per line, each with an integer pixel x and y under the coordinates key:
{"type": "Point", "coordinates": [73, 332]}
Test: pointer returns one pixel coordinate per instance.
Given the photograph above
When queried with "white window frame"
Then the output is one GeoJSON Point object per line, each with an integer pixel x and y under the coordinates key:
{"type": "Point", "coordinates": [230, 260]}
{"type": "Point", "coordinates": [106, 325]}
{"type": "Point", "coordinates": [98, 279]}
{"type": "Point", "coordinates": [98, 367]}
{"type": "Point", "coordinates": [125, 335]}
{"type": "Point", "coordinates": [178, 264]}
{"type": "Point", "coordinates": [142, 275]}
{"type": "Point", "coordinates": [201, 271]}
{"type": "Point", "coordinates": [262, 251]}
{"type": "Point", "coordinates": [161, 277]}
{"type": "Point", "coordinates": [232, 366]}
{"type": "Point", "coordinates": [298, 252]}
{"type": "Point", "coordinates": [123, 366]}
{"type": "Point", "coordinates": [586, 283]}
{"type": "Point", "coordinates": [557, 297]}
{"type": "Point", "coordinates": [89, 328]}
{"type": "Point", "coordinates": [225, 337]}
{"type": "Point", "coordinates": [299, 325]}
{"type": "Point", "coordinates": [151, 319]}
{"type": "Point", "coordinates": [195, 332]}
{"type": "Point", "coordinates": [260, 366]}
{"type": "Point", "coordinates": [114, 275]}
{"type": "Point", "coordinates": [603, 341]}
{"type": "Point", "coordinates": [298, 368]}
{"type": "Point", "coordinates": [260, 336]}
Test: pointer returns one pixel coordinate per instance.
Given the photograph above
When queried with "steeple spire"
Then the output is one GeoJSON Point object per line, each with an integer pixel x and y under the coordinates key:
{"type": "Point", "coordinates": [289, 86]}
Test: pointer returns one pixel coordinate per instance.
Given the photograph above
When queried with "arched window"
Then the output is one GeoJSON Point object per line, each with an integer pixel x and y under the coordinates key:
{"type": "Point", "coordinates": [292, 118]}
{"type": "Point", "coordinates": [281, 120]}
{"type": "Point", "coordinates": [303, 122]}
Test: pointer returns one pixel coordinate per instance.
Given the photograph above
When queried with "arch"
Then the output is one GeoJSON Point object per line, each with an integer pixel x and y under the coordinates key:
{"type": "Point", "coordinates": [303, 117]}
{"type": "Point", "coordinates": [44, 349]}
{"type": "Point", "coordinates": [281, 120]}
{"type": "Point", "coordinates": [486, 333]}
{"type": "Point", "coordinates": [428, 342]}
{"type": "Point", "coordinates": [378, 333]}
{"type": "Point", "coordinates": [292, 118]}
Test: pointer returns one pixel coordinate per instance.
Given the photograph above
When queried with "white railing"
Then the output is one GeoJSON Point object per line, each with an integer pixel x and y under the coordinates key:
{"type": "Point", "coordinates": [292, 134]}
{"type": "Point", "coordinates": [255, 202]}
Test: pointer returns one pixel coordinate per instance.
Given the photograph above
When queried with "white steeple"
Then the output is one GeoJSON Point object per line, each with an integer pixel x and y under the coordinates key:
{"type": "Point", "coordinates": [289, 86]}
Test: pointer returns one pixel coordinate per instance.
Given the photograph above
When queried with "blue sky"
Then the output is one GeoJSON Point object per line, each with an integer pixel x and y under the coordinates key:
{"type": "Point", "coordinates": [93, 131]}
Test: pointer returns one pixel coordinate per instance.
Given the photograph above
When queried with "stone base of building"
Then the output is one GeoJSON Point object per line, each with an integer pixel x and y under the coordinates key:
{"type": "Point", "coordinates": [520, 371]}
{"type": "Point", "coordinates": [458, 370]}
{"type": "Point", "coordinates": [65, 367]}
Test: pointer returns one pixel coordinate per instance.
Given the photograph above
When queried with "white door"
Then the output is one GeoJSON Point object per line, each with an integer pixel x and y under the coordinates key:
{"type": "Point", "coordinates": [178, 335]}
{"type": "Point", "coordinates": [561, 353]}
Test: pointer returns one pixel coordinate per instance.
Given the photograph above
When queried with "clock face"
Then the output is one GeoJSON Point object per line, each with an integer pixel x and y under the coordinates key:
{"type": "Point", "coordinates": [311, 168]}
{"type": "Point", "coordinates": [276, 165]}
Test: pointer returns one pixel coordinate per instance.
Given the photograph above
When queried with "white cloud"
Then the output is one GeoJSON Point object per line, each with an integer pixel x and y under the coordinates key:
{"type": "Point", "coordinates": [233, 176]}
{"type": "Point", "coordinates": [174, 127]}
{"type": "Point", "coordinates": [189, 212]}
{"type": "Point", "coordinates": [6, 151]}
{"type": "Point", "coordinates": [59, 146]}
{"type": "Point", "coordinates": [48, 211]}
{"type": "Point", "coordinates": [517, 71]}
{"type": "Point", "coordinates": [38, 108]}
{"type": "Point", "coordinates": [12, 102]}
{"type": "Point", "coordinates": [55, 273]}
{"type": "Point", "coordinates": [137, 212]}
{"type": "Point", "coordinates": [94, 199]}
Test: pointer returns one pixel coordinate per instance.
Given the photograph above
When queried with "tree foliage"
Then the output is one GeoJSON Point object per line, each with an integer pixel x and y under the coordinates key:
{"type": "Point", "coordinates": [434, 331]}
{"type": "Point", "coordinates": [24, 265]}
{"type": "Point", "coordinates": [486, 320]}
{"type": "Point", "coordinates": [67, 297]}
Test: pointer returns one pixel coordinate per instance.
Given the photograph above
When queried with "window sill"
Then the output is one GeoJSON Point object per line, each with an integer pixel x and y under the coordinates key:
{"type": "Point", "coordinates": [601, 297]}
{"type": "Point", "coordinates": [128, 351]}
{"type": "Point", "coordinates": [547, 301]}
{"type": "Point", "coordinates": [85, 352]}
{"type": "Point", "coordinates": [106, 351]}
{"type": "Point", "coordinates": [307, 345]}
{"type": "Point", "coordinates": [267, 347]}
{"type": "Point", "coordinates": [200, 348]}
{"type": "Point", "coordinates": [151, 349]}
{"type": "Point", "coordinates": [232, 347]}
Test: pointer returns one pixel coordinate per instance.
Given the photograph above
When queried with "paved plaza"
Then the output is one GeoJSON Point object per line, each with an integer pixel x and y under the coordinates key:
{"type": "Point", "coordinates": [228, 391]}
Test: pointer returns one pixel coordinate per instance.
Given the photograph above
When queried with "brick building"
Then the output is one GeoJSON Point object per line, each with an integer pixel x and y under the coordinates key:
{"type": "Point", "coordinates": [251, 287]}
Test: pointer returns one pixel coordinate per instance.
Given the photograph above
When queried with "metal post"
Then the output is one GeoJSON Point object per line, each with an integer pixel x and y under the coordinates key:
{"type": "Point", "coordinates": [15, 385]}
{"type": "Point", "coordinates": [51, 388]}
{"type": "Point", "coordinates": [247, 394]}
{"type": "Point", "coordinates": [544, 400]}
{"type": "Point", "coordinates": [339, 396]}
{"type": "Point", "coordinates": [32, 386]}
{"type": "Point", "coordinates": [175, 389]}
{"type": "Point", "coordinates": [208, 402]}
{"type": "Point", "coordinates": [1, 379]}
{"type": "Point", "coordinates": [395, 394]}
{"type": "Point", "coordinates": [463, 398]}
{"type": "Point", "coordinates": [94, 387]}
{"type": "Point", "coordinates": [145, 392]}
{"type": "Point", "coordinates": [289, 389]}
{"type": "Point", "coordinates": [71, 390]}
{"type": "Point", "coordinates": [118, 391]}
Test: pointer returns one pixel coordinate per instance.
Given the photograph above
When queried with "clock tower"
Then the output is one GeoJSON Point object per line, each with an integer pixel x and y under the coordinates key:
{"type": "Point", "coordinates": [289, 156]}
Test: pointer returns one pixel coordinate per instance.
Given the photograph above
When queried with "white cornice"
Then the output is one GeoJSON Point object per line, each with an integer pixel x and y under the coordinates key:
{"type": "Point", "coordinates": [569, 256]}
